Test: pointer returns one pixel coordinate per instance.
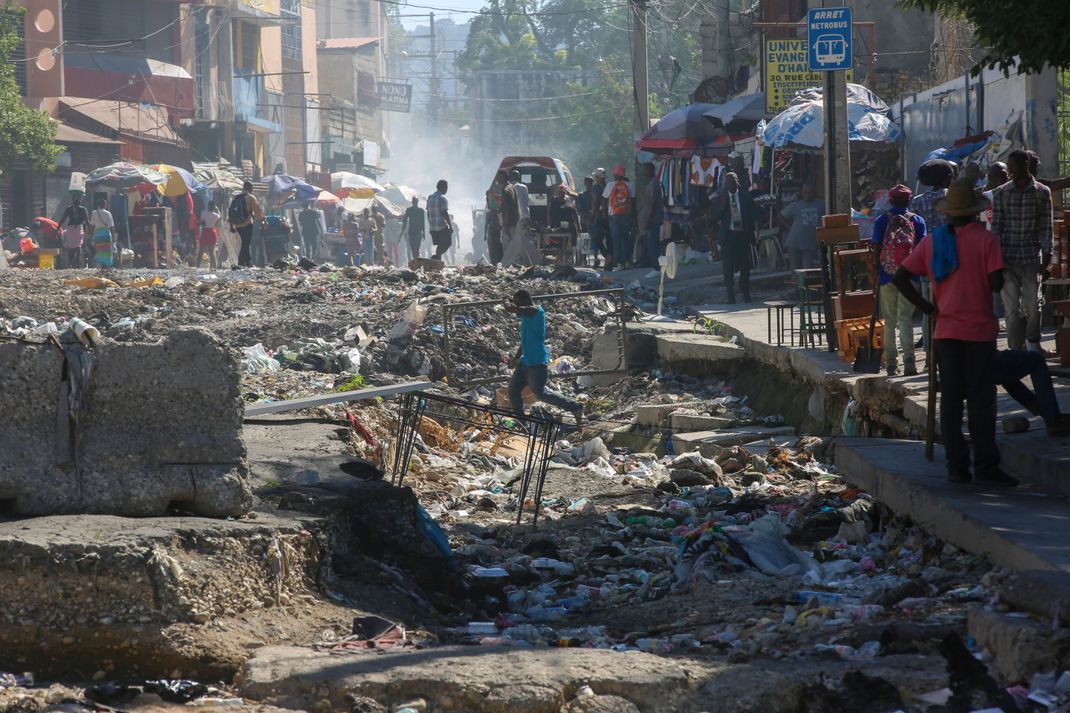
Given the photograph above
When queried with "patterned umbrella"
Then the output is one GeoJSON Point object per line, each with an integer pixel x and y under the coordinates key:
{"type": "Point", "coordinates": [126, 175]}
{"type": "Point", "coordinates": [179, 181]}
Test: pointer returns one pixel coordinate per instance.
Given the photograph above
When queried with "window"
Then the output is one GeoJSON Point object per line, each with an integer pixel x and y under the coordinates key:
{"type": "Point", "coordinates": [291, 29]}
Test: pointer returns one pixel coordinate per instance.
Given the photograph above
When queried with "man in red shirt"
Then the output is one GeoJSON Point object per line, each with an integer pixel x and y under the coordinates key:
{"type": "Point", "coordinates": [965, 264]}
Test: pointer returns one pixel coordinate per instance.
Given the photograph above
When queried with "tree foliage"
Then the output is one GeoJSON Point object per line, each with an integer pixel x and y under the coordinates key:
{"type": "Point", "coordinates": [588, 42]}
{"type": "Point", "coordinates": [25, 134]}
{"type": "Point", "coordinates": [1022, 34]}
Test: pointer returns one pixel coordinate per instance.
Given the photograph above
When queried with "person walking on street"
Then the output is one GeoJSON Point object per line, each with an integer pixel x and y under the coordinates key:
{"type": "Point", "coordinates": [1022, 218]}
{"type": "Point", "coordinates": [997, 176]}
{"type": "Point", "coordinates": [379, 235]}
{"type": "Point", "coordinates": [650, 214]}
{"type": "Point", "coordinates": [76, 217]}
{"type": "Point", "coordinates": [735, 211]}
{"type": "Point", "coordinates": [620, 199]}
{"type": "Point", "coordinates": [438, 219]}
{"type": "Point", "coordinates": [351, 230]}
{"type": "Point", "coordinates": [522, 242]}
{"type": "Point", "coordinates": [894, 235]}
{"type": "Point", "coordinates": [413, 226]}
{"type": "Point", "coordinates": [243, 210]}
{"type": "Point", "coordinates": [102, 233]}
{"type": "Point", "coordinates": [512, 229]}
{"type": "Point", "coordinates": [533, 359]}
{"type": "Point", "coordinates": [600, 220]}
{"type": "Point", "coordinates": [367, 237]}
{"type": "Point", "coordinates": [493, 226]}
{"type": "Point", "coordinates": [965, 265]}
{"type": "Point", "coordinates": [802, 218]}
{"type": "Point", "coordinates": [209, 234]}
{"type": "Point", "coordinates": [309, 220]}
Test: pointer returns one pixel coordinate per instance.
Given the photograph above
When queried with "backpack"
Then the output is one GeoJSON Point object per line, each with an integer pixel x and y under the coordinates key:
{"type": "Point", "coordinates": [898, 241]}
{"type": "Point", "coordinates": [238, 212]}
{"type": "Point", "coordinates": [620, 198]}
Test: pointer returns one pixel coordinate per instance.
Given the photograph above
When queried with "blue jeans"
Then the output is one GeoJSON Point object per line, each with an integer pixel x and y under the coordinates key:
{"type": "Point", "coordinates": [1013, 365]}
{"type": "Point", "coordinates": [652, 245]}
{"type": "Point", "coordinates": [534, 377]}
{"type": "Point", "coordinates": [620, 232]}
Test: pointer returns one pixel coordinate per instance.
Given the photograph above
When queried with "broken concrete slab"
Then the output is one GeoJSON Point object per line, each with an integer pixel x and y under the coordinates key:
{"type": "Point", "coordinates": [264, 409]}
{"type": "Point", "coordinates": [731, 436]}
{"type": "Point", "coordinates": [78, 589]}
{"type": "Point", "coordinates": [1017, 528]}
{"type": "Point", "coordinates": [656, 414]}
{"type": "Point", "coordinates": [693, 422]}
{"type": "Point", "coordinates": [1020, 646]}
{"type": "Point", "coordinates": [485, 678]}
{"type": "Point", "coordinates": [160, 427]}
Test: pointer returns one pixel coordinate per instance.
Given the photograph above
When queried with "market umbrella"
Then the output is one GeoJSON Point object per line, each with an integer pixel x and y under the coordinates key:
{"type": "Point", "coordinates": [179, 181]}
{"type": "Point", "coordinates": [398, 194]}
{"type": "Point", "coordinates": [281, 185]}
{"type": "Point", "coordinates": [126, 175]}
{"type": "Point", "coordinates": [684, 130]}
{"type": "Point", "coordinates": [327, 199]}
{"type": "Point", "coordinates": [218, 178]}
{"type": "Point", "coordinates": [803, 126]}
{"type": "Point", "coordinates": [361, 193]}
{"type": "Point", "coordinates": [345, 179]}
{"type": "Point", "coordinates": [747, 107]}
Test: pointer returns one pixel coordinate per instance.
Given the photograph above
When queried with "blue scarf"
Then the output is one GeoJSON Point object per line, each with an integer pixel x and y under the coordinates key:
{"type": "Point", "coordinates": [945, 253]}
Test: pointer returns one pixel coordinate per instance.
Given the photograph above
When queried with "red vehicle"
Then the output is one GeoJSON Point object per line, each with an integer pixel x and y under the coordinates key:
{"type": "Point", "coordinates": [541, 175]}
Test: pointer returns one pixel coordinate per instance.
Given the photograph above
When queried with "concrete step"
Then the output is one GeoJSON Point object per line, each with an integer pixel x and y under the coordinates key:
{"type": "Point", "coordinates": [656, 414]}
{"type": "Point", "coordinates": [686, 422]}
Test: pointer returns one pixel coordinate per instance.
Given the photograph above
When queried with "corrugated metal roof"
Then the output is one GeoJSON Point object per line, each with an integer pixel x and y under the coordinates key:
{"type": "Point", "coordinates": [143, 120]}
{"type": "Point", "coordinates": [69, 135]}
{"type": "Point", "coordinates": [347, 43]}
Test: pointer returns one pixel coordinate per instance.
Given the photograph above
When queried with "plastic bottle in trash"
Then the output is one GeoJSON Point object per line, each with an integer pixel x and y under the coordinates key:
{"type": "Point", "coordinates": [670, 450]}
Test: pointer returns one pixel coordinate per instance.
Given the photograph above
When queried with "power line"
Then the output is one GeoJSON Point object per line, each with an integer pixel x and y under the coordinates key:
{"type": "Point", "coordinates": [484, 11]}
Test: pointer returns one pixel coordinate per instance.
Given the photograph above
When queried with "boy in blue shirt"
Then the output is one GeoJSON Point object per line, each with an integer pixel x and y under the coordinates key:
{"type": "Point", "coordinates": [894, 235]}
{"type": "Point", "coordinates": [533, 358]}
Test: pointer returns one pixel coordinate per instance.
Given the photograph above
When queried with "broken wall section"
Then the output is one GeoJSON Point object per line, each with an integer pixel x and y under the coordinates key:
{"type": "Point", "coordinates": [159, 426]}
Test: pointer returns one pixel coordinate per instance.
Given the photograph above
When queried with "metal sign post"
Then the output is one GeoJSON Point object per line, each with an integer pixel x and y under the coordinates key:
{"type": "Point", "coordinates": [830, 50]}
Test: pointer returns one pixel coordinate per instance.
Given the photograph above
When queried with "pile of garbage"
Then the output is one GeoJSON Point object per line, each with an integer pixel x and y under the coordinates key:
{"type": "Point", "coordinates": [392, 319]}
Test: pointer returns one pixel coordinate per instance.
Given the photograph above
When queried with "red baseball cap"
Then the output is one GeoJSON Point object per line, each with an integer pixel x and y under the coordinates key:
{"type": "Point", "coordinates": [899, 191]}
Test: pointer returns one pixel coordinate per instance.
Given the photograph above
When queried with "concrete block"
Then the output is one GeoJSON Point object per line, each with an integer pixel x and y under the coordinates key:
{"type": "Point", "coordinates": [690, 422]}
{"type": "Point", "coordinates": [655, 414]}
{"type": "Point", "coordinates": [729, 437]}
{"type": "Point", "coordinates": [1020, 646]}
{"type": "Point", "coordinates": [161, 426]}
{"type": "Point", "coordinates": [690, 349]}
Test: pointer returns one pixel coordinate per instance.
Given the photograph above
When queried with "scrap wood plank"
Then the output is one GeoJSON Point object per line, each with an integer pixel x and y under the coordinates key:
{"type": "Point", "coordinates": [263, 409]}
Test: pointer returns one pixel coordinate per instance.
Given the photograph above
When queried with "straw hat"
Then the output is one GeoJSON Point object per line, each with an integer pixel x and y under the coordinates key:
{"type": "Point", "coordinates": [961, 199]}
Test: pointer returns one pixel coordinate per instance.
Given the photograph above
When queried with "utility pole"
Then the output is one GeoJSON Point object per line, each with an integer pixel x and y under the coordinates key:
{"type": "Point", "coordinates": [640, 70]}
{"type": "Point", "coordinates": [432, 107]}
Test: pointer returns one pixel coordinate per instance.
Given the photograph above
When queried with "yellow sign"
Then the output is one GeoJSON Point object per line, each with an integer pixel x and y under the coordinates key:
{"type": "Point", "coordinates": [271, 7]}
{"type": "Point", "coordinates": [786, 73]}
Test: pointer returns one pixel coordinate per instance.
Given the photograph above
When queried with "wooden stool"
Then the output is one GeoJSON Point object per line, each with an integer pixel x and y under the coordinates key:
{"type": "Point", "coordinates": [779, 306]}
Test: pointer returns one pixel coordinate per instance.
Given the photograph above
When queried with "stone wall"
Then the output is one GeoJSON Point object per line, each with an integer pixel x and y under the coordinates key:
{"type": "Point", "coordinates": [161, 427]}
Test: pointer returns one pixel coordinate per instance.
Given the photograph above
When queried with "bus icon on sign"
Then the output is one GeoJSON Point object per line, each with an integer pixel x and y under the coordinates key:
{"type": "Point", "coordinates": [830, 49]}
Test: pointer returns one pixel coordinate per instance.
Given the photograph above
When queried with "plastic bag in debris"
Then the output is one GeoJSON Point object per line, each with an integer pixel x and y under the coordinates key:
{"type": "Point", "coordinates": [562, 365]}
{"type": "Point", "coordinates": [256, 359]}
{"type": "Point", "coordinates": [91, 283]}
{"type": "Point", "coordinates": [773, 555]}
{"type": "Point", "coordinates": [602, 467]}
{"type": "Point", "coordinates": [409, 322]}
{"type": "Point", "coordinates": [433, 532]}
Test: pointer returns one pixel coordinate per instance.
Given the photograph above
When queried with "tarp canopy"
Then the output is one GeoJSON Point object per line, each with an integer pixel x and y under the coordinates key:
{"type": "Point", "coordinates": [345, 179]}
{"type": "Point", "coordinates": [399, 195]}
{"type": "Point", "coordinates": [684, 130]}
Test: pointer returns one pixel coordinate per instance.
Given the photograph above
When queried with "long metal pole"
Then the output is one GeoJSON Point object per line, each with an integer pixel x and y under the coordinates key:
{"type": "Point", "coordinates": [640, 69]}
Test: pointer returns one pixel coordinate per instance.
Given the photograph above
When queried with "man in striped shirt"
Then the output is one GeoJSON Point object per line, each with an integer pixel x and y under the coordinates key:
{"type": "Point", "coordinates": [438, 219]}
{"type": "Point", "coordinates": [1022, 218]}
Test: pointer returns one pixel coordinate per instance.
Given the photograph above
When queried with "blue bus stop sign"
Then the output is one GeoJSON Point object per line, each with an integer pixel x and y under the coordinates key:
{"type": "Point", "coordinates": [828, 36]}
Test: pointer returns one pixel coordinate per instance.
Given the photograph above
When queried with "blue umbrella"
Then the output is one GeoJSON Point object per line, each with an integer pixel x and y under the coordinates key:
{"type": "Point", "coordinates": [280, 184]}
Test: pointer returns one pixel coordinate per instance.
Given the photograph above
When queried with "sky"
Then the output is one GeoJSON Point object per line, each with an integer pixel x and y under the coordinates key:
{"type": "Point", "coordinates": [421, 19]}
